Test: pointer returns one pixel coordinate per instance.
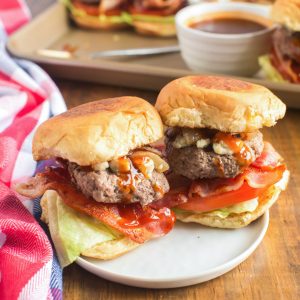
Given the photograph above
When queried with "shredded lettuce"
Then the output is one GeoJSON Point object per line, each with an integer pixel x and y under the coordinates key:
{"type": "Point", "coordinates": [73, 232]}
{"type": "Point", "coordinates": [269, 70]}
{"type": "Point", "coordinates": [246, 206]}
{"type": "Point", "coordinates": [129, 18]}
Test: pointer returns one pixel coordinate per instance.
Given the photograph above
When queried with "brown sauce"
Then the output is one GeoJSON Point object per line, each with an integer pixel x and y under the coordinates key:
{"type": "Point", "coordinates": [129, 177]}
{"type": "Point", "coordinates": [242, 152]}
{"type": "Point", "coordinates": [229, 23]}
{"type": "Point", "coordinates": [131, 173]}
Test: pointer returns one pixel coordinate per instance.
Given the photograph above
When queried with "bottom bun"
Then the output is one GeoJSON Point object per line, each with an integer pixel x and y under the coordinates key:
{"type": "Point", "coordinates": [111, 249]}
{"type": "Point", "coordinates": [106, 250]}
{"type": "Point", "coordinates": [157, 29]}
{"type": "Point", "coordinates": [95, 23]}
{"type": "Point", "coordinates": [266, 200]}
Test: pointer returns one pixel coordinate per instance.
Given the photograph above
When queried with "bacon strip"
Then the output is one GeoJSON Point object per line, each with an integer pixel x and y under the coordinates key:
{"type": "Point", "coordinates": [269, 159]}
{"type": "Point", "coordinates": [284, 66]}
{"type": "Point", "coordinates": [256, 178]}
{"type": "Point", "coordinates": [134, 221]}
{"type": "Point", "coordinates": [264, 172]}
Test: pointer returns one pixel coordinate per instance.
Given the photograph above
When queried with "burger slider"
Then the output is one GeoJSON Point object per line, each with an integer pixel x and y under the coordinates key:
{"type": "Point", "coordinates": [97, 14]}
{"type": "Point", "coordinates": [96, 197]}
{"type": "Point", "coordinates": [283, 63]}
{"type": "Point", "coordinates": [223, 173]}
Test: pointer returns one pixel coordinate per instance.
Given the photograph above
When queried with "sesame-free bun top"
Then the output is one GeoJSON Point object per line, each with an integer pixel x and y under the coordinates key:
{"type": "Point", "coordinates": [287, 13]}
{"type": "Point", "coordinates": [98, 131]}
{"type": "Point", "coordinates": [221, 103]}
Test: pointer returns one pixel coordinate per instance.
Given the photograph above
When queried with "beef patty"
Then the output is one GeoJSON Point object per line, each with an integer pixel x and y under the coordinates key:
{"type": "Point", "coordinates": [103, 186]}
{"type": "Point", "coordinates": [194, 163]}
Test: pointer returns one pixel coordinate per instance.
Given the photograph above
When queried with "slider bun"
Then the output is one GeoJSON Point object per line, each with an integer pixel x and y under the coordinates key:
{"type": "Point", "coordinates": [98, 131]}
{"type": "Point", "coordinates": [266, 200]}
{"type": "Point", "coordinates": [156, 29]}
{"type": "Point", "coordinates": [221, 103]}
{"type": "Point", "coordinates": [106, 250]}
{"type": "Point", "coordinates": [92, 22]}
{"type": "Point", "coordinates": [287, 13]}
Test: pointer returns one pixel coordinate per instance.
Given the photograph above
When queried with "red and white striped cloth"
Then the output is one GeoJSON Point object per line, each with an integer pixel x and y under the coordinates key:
{"type": "Point", "coordinates": [27, 97]}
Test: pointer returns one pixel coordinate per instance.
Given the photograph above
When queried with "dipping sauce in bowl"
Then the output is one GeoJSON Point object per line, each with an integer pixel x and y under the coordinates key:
{"type": "Point", "coordinates": [229, 23]}
{"type": "Point", "coordinates": [224, 38]}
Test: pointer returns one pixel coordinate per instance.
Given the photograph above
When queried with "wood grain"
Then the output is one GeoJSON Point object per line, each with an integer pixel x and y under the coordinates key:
{"type": "Point", "coordinates": [272, 272]}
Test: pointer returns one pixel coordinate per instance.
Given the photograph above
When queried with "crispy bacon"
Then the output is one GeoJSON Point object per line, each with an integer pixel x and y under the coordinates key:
{"type": "Point", "coordinates": [256, 178]}
{"type": "Point", "coordinates": [264, 172]}
{"type": "Point", "coordinates": [269, 158]}
{"type": "Point", "coordinates": [284, 65]}
{"type": "Point", "coordinates": [134, 221]}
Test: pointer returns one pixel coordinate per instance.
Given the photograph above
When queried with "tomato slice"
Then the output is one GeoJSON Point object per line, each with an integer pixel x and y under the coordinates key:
{"type": "Point", "coordinates": [254, 182]}
{"type": "Point", "coordinates": [244, 193]}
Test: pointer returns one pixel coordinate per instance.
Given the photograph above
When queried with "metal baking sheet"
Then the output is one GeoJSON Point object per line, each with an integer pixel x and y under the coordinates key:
{"type": "Point", "coordinates": [52, 30]}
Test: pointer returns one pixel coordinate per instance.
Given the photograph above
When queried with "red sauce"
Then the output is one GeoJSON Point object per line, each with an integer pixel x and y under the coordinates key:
{"type": "Point", "coordinates": [131, 173]}
{"type": "Point", "coordinates": [242, 152]}
{"type": "Point", "coordinates": [129, 177]}
{"type": "Point", "coordinates": [140, 162]}
{"type": "Point", "coordinates": [140, 216]}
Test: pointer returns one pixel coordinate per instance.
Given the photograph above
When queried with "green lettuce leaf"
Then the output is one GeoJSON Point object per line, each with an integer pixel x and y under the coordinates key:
{"type": "Point", "coordinates": [128, 18]}
{"type": "Point", "coordinates": [246, 206]}
{"type": "Point", "coordinates": [73, 232]}
{"type": "Point", "coordinates": [269, 70]}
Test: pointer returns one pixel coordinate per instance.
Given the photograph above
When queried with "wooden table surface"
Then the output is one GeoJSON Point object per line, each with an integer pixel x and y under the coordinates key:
{"type": "Point", "coordinates": [271, 272]}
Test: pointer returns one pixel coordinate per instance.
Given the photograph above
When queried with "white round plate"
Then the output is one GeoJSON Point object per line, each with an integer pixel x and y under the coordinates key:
{"type": "Point", "coordinates": [188, 255]}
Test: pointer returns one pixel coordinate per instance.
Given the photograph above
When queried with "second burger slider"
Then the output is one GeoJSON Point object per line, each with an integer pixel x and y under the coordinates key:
{"type": "Point", "coordinates": [223, 173]}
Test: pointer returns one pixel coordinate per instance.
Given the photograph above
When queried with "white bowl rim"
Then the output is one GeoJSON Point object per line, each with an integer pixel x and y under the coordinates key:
{"type": "Point", "coordinates": [224, 36]}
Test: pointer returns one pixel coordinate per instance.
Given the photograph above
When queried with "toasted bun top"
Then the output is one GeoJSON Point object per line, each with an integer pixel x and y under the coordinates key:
{"type": "Point", "coordinates": [221, 103]}
{"type": "Point", "coordinates": [287, 13]}
{"type": "Point", "coordinates": [98, 131]}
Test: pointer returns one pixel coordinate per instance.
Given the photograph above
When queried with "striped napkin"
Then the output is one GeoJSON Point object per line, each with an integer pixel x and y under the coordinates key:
{"type": "Point", "coordinates": [28, 266]}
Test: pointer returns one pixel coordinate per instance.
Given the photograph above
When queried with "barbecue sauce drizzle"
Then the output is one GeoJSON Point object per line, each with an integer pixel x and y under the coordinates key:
{"type": "Point", "coordinates": [241, 151]}
{"type": "Point", "coordinates": [131, 173]}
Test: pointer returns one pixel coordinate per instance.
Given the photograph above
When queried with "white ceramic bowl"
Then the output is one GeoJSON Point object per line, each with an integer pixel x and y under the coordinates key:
{"type": "Point", "coordinates": [234, 54]}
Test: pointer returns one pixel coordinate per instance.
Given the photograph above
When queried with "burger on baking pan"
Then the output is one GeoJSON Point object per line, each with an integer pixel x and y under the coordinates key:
{"type": "Point", "coordinates": [223, 172]}
{"type": "Point", "coordinates": [283, 63]}
{"type": "Point", "coordinates": [150, 17]}
{"type": "Point", "coordinates": [155, 17]}
{"type": "Point", "coordinates": [97, 14]}
{"type": "Point", "coordinates": [96, 200]}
